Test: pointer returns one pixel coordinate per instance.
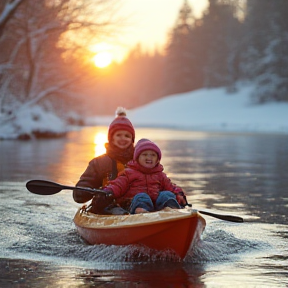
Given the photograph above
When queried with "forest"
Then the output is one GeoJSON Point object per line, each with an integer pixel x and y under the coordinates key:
{"type": "Point", "coordinates": [44, 55]}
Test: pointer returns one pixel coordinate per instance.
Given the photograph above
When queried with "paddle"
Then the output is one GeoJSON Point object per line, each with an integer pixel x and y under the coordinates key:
{"type": "Point", "coordinates": [43, 187]}
{"type": "Point", "coordinates": [230, 218]}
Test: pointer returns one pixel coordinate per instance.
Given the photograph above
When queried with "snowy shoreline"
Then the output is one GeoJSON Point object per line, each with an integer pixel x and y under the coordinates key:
{"type": "Point", "coordinates": [209, 110]}
{"type": "Point", "coordinates": [206, 110]}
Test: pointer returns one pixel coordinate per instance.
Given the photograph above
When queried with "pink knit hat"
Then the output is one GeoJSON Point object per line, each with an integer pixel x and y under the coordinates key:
{"type": "Point", "coordinates": [121, 122]}
{"type": "Point", "coordinates": [145, 144]}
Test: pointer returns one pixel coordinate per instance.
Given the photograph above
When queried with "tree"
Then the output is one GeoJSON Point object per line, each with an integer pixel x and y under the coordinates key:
{"type": "Point", "coordinates": [220, 31]}
{"type": "Point", "coordinates": [42, 42]}
{"type": "Point", "coordinates": [182, 63]}
{"type": "Point", "coordinates": [7, 9]}
{"type": "Point", "coordinates": [135, 81]}
{"type": "Point", "coordinates": [265, 60]}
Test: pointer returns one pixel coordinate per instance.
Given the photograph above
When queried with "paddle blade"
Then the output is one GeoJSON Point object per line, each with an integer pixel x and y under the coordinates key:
{"type": "Point", "coordinates": [230, 218]}
{"type": "Point", "coordinates": [43, 187]}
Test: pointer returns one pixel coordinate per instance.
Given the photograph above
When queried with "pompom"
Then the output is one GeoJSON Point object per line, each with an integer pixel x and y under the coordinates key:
{"type": "Point", "coordinates": [120, 111]}
{"type": "Point", "coordinates": [120, 122]}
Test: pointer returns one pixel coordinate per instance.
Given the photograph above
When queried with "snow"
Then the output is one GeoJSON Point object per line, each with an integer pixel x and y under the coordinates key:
{"type": "Point", "coordinates": [201, 110]}
{"type": "Point", "coordinates": [8, 8]}
{"type": "Point", "coordinates": [30, 120]}
{"type": "Point", "coordinates": [210, 110]}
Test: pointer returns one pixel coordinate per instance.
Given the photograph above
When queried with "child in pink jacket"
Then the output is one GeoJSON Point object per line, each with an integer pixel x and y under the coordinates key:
{"type": "Point", "coordinates": [143, 186]}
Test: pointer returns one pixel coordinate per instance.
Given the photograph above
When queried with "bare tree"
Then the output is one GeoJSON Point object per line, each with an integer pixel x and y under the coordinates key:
{"type": "Point", "coordinates": [43, 42]}
{"type": "Point", "coordinates": [7, 9]}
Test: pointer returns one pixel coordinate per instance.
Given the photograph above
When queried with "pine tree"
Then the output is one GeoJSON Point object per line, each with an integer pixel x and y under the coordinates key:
{"type": "Point", "coordinates": [265, 60]}
{"type": "Point", "coordinates": [220, 36]}
{"type": "Point", "coordinates": [181, 65]}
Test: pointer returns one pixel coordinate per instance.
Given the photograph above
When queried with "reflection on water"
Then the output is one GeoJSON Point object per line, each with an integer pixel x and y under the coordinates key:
{"type": "Point", "coordinates": [99, 140]}
{"type": "Point", "coordinates": [40, 274]}
{"type": "Point", "coordinates": [245, 175]}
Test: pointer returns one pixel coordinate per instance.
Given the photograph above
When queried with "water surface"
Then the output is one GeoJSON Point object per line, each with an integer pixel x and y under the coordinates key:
{"type": "Point", "coordinates": [238, 174]}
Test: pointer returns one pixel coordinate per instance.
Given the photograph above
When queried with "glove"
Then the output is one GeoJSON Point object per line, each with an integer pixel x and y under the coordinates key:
{"type": "Point", "coordinates": [181, 198]}
{"type": "Point", "coordinates": [109, 193]}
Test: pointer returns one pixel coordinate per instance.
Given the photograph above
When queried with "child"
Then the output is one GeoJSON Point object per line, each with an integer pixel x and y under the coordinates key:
{"type": "Point", "coordinates": [119, 150]}
{"type": "Point", "coordinates": [143, 186]}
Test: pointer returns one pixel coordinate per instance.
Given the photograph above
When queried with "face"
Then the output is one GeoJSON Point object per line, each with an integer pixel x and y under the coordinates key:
{"type": "Point", "coordinates": [122, 139]}
{"type": "Point", "coordinates": [148, 159]}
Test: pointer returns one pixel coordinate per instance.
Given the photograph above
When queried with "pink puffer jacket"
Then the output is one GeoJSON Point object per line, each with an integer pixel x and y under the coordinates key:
{"type": "Point", "coordinates": [136, 179]}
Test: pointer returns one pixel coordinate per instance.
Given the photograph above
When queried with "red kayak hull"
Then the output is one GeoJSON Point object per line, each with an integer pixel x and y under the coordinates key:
{"type": "Point", "coordinates": [175, 230]}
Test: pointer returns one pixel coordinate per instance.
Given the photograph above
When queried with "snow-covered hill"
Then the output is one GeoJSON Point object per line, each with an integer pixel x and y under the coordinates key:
{"type": "Point", "coordinates": [210, 110]}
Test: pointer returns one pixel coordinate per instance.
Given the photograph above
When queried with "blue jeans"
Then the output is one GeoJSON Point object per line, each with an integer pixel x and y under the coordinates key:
{"type": "Point", "coordinates": [164, 199]}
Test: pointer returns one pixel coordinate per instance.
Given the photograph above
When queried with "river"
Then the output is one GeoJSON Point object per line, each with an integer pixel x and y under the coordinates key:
{"type": "Point", "coordinates": [239, 174]}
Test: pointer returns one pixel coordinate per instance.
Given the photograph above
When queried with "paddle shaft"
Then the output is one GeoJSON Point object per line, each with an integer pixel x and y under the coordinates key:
{"type": "Point", "coordinates": [230, 218]}
{"type": "Point", "coordinates": [89, 190]}
{"type": "Point", "coordinates": [43, 187]}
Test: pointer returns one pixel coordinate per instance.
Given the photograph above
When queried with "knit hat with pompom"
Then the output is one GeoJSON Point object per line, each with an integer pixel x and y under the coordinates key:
{"type": "Point", "coordinates": [145, 144]}
{"type": "Point", "coordinates": [121, 122]}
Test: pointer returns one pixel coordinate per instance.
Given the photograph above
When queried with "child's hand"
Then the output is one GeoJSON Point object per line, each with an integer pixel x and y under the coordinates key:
{"type": "Point", "coordinates": [181, 199]}
{"type": "Point", "coordinates": [109, 193]}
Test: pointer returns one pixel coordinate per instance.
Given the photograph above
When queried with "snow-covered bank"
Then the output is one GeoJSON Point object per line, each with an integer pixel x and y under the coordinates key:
{"type": "Point", "coordinates": [201, 110]}
{"type": "Point", "coordinates": [32, 122]}
{"type": "Point", "coordinates": [210, 110]}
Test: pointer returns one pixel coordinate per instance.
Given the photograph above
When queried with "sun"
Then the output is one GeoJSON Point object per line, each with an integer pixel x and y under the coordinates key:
{"type": "Point", "coordinates": [102, 59]}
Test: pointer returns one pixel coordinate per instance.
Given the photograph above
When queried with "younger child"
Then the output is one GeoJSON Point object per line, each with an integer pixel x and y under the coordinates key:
{"type": "Point", "coordinates": [143, 186]}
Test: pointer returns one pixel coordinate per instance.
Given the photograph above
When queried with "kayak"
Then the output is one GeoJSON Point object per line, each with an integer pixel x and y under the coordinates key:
{"type": "Point", "coordinates": [169, 229]}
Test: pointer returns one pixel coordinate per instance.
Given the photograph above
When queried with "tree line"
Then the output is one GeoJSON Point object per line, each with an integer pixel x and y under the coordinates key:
{"type": "Point", "coordinates": [234, 41]}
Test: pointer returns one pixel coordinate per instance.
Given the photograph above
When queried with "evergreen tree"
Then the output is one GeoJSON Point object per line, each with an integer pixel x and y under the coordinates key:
{"type": "Point", "coordinates": [265, 60]}
{"type": "Point", "coordinates": [181, 63]}
{"type": "Point", "coordinates": [220, 32]}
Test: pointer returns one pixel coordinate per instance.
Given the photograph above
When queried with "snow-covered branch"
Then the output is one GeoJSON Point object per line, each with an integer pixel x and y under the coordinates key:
{"type": "Point", "coordinates": [8, 10]}
{"type": "Point", "coordinates": [38, 35]}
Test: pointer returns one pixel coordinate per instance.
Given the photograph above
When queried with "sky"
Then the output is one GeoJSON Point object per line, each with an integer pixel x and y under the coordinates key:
{"type": "Point", "coordinates": [152, 20]}
{"type": "Point", "coordinates": [200, 110]}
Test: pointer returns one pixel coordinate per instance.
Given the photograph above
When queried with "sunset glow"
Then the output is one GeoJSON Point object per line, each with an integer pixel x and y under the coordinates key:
{"type": "Point", "coordinates": [150, 34]}
{"type": "Point", "coordinates": [103, 54]}
{"type": "Point", "coordinates": [102, 59]}
{"type": "Point", "coordinates": [99, 140]}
